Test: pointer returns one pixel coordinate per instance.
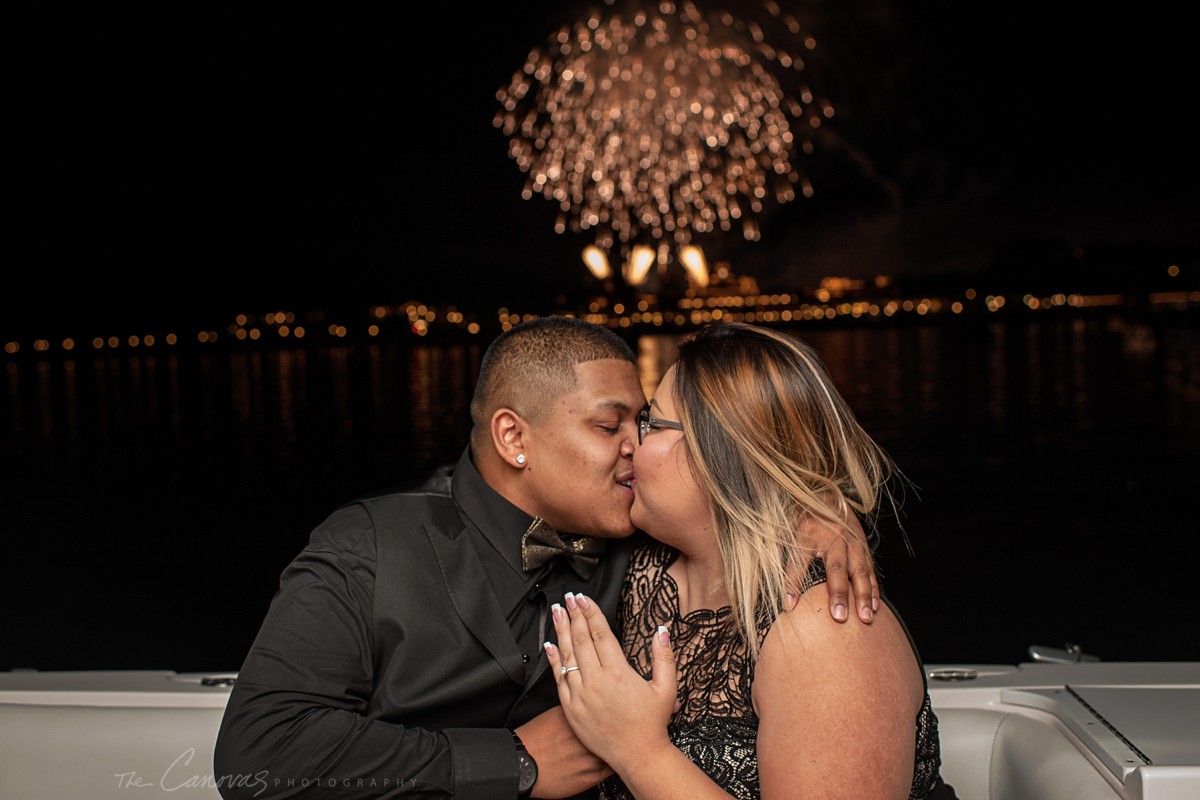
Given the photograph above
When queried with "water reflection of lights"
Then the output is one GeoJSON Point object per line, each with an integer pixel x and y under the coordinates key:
{"type": "Point", "coordinates": [647, 312]}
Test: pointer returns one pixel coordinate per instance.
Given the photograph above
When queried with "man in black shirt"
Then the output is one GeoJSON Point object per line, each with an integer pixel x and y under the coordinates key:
{"type": "Point", "coordinates": [402, 653]}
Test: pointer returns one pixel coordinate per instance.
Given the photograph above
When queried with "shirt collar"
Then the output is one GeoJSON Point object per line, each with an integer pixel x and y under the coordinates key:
{"type": "Point", "coordinates": [500, 522]}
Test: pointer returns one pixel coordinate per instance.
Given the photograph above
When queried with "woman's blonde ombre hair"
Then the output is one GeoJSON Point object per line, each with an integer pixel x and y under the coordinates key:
{"type": "Point", "coordinates": [772, 441]}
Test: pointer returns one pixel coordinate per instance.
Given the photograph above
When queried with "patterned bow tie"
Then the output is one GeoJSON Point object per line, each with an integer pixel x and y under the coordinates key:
{"type": "Point", "coordinates": [542, 543]}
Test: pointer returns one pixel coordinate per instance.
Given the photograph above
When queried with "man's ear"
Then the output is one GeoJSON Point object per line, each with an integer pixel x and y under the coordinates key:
{"type": "Point", "coordinates": [508, 436]}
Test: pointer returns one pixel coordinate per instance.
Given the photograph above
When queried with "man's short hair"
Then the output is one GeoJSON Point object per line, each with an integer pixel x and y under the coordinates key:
{"type": "Point", "coordinates": [529, 366]}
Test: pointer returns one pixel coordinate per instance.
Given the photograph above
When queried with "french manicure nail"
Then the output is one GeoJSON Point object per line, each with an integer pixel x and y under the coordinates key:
{"type": "Point", "coordinates": [570, 601]}
{"type": "Point", "coordinates": [556, 611]}
{"type": "Point", "coordinates": [582, 600]}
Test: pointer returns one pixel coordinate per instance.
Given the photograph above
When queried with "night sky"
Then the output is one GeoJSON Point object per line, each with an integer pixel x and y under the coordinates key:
{"type": "Point", "coordinates": [181, 159]}
{"type": "Point", "coordinates": [175, 163]}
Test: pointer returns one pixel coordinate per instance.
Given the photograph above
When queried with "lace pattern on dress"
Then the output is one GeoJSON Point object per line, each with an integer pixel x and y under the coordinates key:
{"type": "Point", "coordinates": [716, 727]}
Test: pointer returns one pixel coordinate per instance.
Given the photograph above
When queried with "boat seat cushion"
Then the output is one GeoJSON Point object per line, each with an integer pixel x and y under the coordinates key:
{"type": "Point", "coordinates": [994, 755]}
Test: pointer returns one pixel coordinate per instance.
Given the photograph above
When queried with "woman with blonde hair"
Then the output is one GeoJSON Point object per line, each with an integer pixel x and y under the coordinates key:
{"type": "Point", "coordinates": [730, 678]}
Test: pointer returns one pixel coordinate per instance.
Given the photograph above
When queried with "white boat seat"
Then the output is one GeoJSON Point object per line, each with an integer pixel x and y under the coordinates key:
{"type": "Point", "coordinates": [996, 755]}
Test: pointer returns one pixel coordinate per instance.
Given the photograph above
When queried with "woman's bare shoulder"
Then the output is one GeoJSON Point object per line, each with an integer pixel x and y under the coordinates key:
{"type": "Point", "coordinates": [836, 702]}
{"type": "Point", "coordinates": [806, 641]}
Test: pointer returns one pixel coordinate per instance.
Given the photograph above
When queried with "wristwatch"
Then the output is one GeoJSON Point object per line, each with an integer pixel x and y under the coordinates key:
{"type": "Point", "coordinates": [526, 768]}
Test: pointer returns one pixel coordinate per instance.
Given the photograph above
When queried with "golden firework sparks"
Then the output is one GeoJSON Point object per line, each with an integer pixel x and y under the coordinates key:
{"type": "Point", "coordinates": [663, 121]}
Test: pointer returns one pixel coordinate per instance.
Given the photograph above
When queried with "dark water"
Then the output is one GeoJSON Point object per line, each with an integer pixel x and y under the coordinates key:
{"type": "Point", "coordinates": [150, 502]}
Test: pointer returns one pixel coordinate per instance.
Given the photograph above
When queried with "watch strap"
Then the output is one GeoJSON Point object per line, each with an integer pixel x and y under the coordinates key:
{"type": "Point", "coordinates": [526, 766]}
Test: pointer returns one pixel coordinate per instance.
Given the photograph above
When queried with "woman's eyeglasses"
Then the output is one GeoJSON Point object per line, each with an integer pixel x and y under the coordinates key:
{"type": "Point", "coordinates": [647, 423]}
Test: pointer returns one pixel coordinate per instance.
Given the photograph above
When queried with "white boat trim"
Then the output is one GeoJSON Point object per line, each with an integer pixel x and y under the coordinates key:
{"type": "Point", "coordinates": [1034, 731]}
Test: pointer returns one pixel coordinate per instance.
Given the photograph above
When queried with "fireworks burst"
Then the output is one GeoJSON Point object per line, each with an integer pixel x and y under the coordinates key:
{"type": "Point", "coordinates": [664, 123]}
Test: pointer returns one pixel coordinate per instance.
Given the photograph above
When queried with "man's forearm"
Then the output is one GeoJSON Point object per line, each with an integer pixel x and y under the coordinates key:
{"type": "Point", "coordinates": [276, 744]}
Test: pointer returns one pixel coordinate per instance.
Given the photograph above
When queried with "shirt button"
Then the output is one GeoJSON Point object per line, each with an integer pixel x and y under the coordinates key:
{"type": "Point", "coordinates": [537, 586]}
{"type": "Point", "coordinates": [525, 658]}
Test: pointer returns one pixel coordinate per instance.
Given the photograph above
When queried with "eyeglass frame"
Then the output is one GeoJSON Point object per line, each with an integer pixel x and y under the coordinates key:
{"type": "Point", "coordinates": [644, 421]}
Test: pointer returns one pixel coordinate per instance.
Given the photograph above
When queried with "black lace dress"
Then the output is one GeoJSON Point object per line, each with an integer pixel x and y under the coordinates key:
{"type": "Point", "coordinates": [716, 727]}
